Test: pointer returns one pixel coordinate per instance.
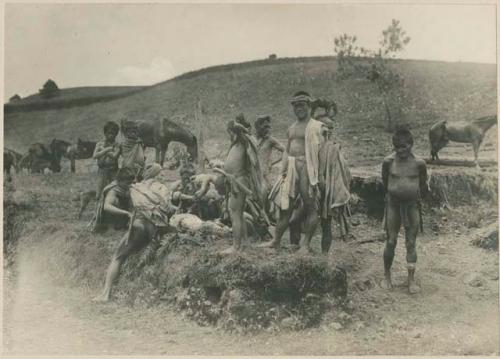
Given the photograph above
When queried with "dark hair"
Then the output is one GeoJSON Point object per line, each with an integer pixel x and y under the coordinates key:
{"type": "Point", "coordinates": [125, 173]}
{"type": "Point", "coordinates": [111, 126]}
{"type": "Point", "coordinates": [302, 93]}
{"type": "Point", "coordinates": [187, 169]}
{"type": "Point", "coordinates": [402, 134]}
{"type": "Point", "coordinates": [242, 121]}
{"type": "Point", "coordinates": [261, 121]}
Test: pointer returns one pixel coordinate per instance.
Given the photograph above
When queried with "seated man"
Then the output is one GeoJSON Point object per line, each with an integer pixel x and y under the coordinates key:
{"type": "Point", "coordinates": [114, 205]}
{"type": "Point", "coordinates": [150, 218]}
{"type": "Point", "coordinates": [193, 194]}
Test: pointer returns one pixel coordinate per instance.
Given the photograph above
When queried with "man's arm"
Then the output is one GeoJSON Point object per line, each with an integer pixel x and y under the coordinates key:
{"type": "Point", "coordinates": [277, 145]}
{"type": "Point", "coordinates": [386, 166]}
{"type": "Point", "coordinates": [110, 203]}
{"type": "Point", "coordinates": [100, 150]}
{"type": "Point", "coordinates": [322, 167]}
{"type": "Point", "coordinates": [115, 153]}
{"type": "Point", "coordinates": [284, 158]}
{"type": "Point", "coordinates": [205, 182]}
{"type": "Point", "coordinates": [422, 176]}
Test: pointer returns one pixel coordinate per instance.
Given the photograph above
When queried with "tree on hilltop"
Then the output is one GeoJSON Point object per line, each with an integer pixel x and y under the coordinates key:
{"type": "Point", "coordinates": [50, 89]}
{"type": "Point", "coordinates": [15, 98]}
{"type": "Point", "coordinates": [375, 67]}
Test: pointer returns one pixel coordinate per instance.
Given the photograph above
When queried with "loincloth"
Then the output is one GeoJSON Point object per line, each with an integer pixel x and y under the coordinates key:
{"type": "Point", "coordinates": [404, 207]}
{"type": "Point", "coordinates": [287, 189]}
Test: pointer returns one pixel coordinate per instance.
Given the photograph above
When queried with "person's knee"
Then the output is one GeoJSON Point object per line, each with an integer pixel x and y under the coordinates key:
{"type": "Point", "coordinates": [390, 245]}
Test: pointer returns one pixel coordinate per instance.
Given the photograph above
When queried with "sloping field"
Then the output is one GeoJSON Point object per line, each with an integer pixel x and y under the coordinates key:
{"type": "Point", "coordinates": [77, 96]}
{"type": "Point", "coordinates": [452, 91]}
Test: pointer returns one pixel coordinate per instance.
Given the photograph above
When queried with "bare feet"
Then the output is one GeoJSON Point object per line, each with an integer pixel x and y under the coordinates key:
{"type": "Point", "coordinates": [271, 244]}
{"type": "Point", "coordinates": [413, 288]}
{"type": "Point", "coordinates": [229, 250]}
{"type": "Point", "coordinates": [305, 249]}
{"type": "Point", "coordinates": [102, 298]}
{"type": "Point", "coordinates": [386, 283]}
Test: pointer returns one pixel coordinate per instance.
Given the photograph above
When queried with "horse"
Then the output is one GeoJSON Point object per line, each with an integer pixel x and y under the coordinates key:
{"type": "Point", "coordinates": [40, 157]}
{"type": "Point", "coordinates": [329, 107]}
{"type": "Point", "coordinates": [442, 132]}
{"type": "Point", "coordinates": [84, 149]}
{"type": "Point", "coordinates": [11, 159]}
{"type": "Point", "coordinates": [61, 148]}
{"type": "Point", "coordinates": [159, 134]}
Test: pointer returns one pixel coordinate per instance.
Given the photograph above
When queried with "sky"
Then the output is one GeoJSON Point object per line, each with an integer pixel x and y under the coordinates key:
{"type": "Point", "coordinates": [142, 44]}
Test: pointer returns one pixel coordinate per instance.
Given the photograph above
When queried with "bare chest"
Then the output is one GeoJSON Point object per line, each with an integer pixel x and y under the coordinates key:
{"type": "Point", "coordinates": [404, 169]}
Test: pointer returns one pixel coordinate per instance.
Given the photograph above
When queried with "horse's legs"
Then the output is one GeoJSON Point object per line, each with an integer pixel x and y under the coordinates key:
{"type": "Point", "coordinates": [73, 164]}
{"type": "Point", "coordinates": [164, 149]}
{"type": "Point", "coordinates": [157, 154]}
{"type": "Point", "coordinates": [475, 147]}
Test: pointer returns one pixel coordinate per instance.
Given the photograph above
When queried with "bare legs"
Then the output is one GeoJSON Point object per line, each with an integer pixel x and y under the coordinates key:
{"type": "Point", "coordinates": [236, 206]}
{"type": "Point", "coordinates": [111, 275]}
{"type": "Point", "coordinates": [393, 219]}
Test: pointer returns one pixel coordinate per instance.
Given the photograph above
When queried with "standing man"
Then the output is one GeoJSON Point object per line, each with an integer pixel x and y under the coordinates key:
{"type": "Point", "coordinates": [299, 180]}
{"type": "Point", "coordinates": [132, 148]}
{"type": "Point", "coordinates": [265, 144]}
{"type": "Point", "coordinates": [106, 153]}
{"type": "Point", "coordinates": [244, 178]}
{"type": "Point", "coordinates": [405, 182]}
{"type": "Point", "coordinates": [334, 182]}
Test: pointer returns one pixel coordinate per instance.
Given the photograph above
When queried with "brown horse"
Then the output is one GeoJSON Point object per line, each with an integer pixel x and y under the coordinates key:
{"type": "Point", "coordinates": [80, 151]}
{"type": "Point", "coordinates": [442, 132]}
{"type": "Point", "coordinates": [40, 157]}
{"type": "Point", "coordinates": [159, 134]}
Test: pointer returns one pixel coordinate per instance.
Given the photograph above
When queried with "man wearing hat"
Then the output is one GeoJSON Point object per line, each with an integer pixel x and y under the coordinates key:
{"type": "Point", "coordinates": [299, 182]}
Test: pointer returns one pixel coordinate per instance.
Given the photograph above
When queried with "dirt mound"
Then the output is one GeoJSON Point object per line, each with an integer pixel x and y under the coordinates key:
{"type": "Point", "coordinates": [448, 187]}
{"type": "Point", "coordinates": [247, 291]}
{"type": "Point", "coordinates": [487, 238]}
{"type": "Point", "coordinates": [17, 207]}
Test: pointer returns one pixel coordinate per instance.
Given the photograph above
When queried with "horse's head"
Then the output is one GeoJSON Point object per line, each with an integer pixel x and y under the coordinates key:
{"type": "Point", "coordinates": [329, 107]}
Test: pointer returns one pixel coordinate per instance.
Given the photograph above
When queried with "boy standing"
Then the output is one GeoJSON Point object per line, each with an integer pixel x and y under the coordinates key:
{"type": "Point", "coordinates": [405, 181]}
{"type": "Point", "coordinates": [106, 153]}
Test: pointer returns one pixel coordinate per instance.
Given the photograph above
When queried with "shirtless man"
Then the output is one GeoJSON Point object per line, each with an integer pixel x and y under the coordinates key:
{"type": "Point", "coordinates": [300, 169]}
{"type": "Point", "coordinates": [405, 182]}
{"type": "Point", "coordinates": [114, 206]}
{"type": "Point", "coordinates": [244, 177]}
{"type": "Point", "coordinates": [143, 227]}
{"type": "Point", "coordinates": [266, 143]}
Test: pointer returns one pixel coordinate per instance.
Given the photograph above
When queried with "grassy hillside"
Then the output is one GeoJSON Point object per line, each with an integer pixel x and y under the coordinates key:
{"type": "Point", "coordinates": [76, 96]}
{"type": "Point", "coordinates": [452, 91]}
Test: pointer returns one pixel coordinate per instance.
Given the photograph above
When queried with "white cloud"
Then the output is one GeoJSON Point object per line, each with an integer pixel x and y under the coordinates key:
{"type": "Point", "coordinates": [160, 69]}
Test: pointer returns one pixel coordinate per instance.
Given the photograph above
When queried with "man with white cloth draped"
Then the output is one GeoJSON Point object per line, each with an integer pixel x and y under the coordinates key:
{"type": "Point", "coordinates": [299, 181]}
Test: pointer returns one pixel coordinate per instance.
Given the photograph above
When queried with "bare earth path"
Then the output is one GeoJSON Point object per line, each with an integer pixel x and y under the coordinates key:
{"type": "Point", "coordinates": [452, 315]}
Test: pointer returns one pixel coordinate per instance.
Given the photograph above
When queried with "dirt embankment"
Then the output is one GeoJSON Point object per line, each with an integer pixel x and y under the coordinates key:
{"type": "Point", "coordinates": [59, 267]}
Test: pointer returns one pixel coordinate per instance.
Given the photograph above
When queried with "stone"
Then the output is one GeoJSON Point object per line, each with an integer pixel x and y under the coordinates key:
{"type": "Point", "coordinates": [474, 280]}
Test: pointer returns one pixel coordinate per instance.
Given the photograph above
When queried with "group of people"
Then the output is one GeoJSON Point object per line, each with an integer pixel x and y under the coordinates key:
{"type": "Point", "coordinates": [313, 185]}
